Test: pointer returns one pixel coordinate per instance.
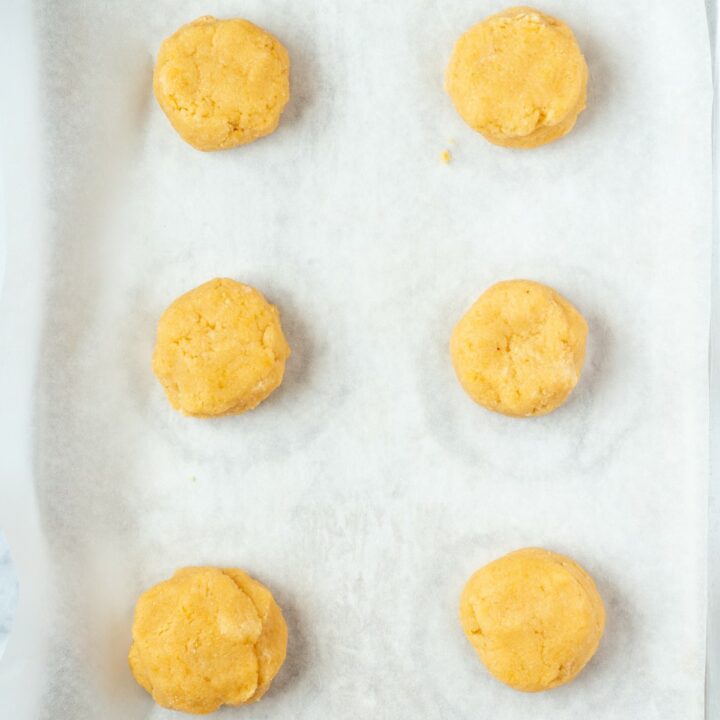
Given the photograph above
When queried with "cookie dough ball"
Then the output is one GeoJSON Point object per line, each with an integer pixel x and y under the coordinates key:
{"type": "Point", "coordinates": [519, 78]}
{"type": "Point", "coordinates": [535, 618]}
{"type": "Point", "coordinates": [519, 349]}
{"type": "Point", "coordinates": [205, 638]}
{"type": "Point", "coordinates": [220, 349]}
{"type": "Point", "coordinates": [222, 83]}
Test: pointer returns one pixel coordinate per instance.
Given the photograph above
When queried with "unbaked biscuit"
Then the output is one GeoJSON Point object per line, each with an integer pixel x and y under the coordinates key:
{"type": "Point", "coordinates": [207, 637]}
{"type": "Point", "coordinates": [519, 78]}
{"type": "Point", "coordinates": [519, 350]}
{"type": "Point", "coordinates": [534, 617]}
{"type": "Point", "coordinates": [222, 83]}
{"type": "Point", "coordinates": [220, 349]}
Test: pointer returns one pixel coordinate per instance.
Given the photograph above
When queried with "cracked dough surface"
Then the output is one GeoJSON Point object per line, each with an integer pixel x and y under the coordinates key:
{"type": "Point", "coordinates": [207, 637]}
{"type": "Point", "coordinates": [519, 78]}
{"type": "Point", "coordinates": [220, 349]}
{"type": "Point", "coordinates": [222, 83]}
{"type": "Point", "coordinates": [519, 349]}
{"type": "Point", "coordinates": [534, 617]}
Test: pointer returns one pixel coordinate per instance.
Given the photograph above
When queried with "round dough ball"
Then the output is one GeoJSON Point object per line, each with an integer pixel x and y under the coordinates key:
{"type": "Point", "coordinates": [535, 618]}
{"type": "Point", "coordinates": [222, 83]}
{"type": "Point", "coordinates": [205, 638]}
{"type": "Point", "coordinates": [220, 349]}
{"type": "Point", "coordinates": [519, 78]}
{"type": "Point", "coordinates": [519, 349]}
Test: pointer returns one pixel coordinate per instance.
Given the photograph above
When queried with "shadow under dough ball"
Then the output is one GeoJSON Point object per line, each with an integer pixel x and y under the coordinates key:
{"type": "Point", "coordinates": [519, 78]}
{"type": "Point", "coordinates": [519, 349]}
{"type": "Point", "coordinates": [534, 617]}
{"type": "Point", "coordinates": [220, 349]}
{"type": "Point", "coordinates": [207, 637]}
{"type": "Point", "coordinates": [222, 83]}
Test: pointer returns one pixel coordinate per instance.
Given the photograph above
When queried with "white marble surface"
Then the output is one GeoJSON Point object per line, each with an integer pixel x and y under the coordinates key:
{"type": "Point", "coordinates": [8, 582]}
{"type": "Point", "coordinates": [8, 592]}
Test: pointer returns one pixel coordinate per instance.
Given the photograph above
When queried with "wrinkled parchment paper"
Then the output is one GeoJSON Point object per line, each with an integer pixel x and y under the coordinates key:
{"type": "Point", "coordinates": [369, 487]}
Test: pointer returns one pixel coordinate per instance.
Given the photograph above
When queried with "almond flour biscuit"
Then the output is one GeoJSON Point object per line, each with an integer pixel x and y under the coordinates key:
{"type": "Point", "coordinates": [519, 78]}
{"type": "Point", "coordinates": [207, 637]}
{"type": "Point", "coordinates": [519, 349]}
{"type": "Point", "coordinates": [535, 618]}
{"type": "Point", "coordinates": [220, 349]}
{"type": "Point", "coordinates": [222, 83]}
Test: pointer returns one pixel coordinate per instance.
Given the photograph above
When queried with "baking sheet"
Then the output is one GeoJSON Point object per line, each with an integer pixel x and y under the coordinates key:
{"type": "Point", "coordinates": [368, 488]}
{"type": "Point", "coordinates": [712, 677]}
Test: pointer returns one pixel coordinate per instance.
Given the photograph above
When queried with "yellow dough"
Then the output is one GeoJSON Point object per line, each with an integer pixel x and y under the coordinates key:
{"type": "Point", "coordinates": [222, 83]}
{"type": "Point", "coordinates": [535, 618]}
{"type": "Point", "coordinates": [205, 638]}
{"type": "Point", "coordinates": [519, 349]}
{"type": "Point", "coordinates": [519, 78]}
{"type": "Point", "coordinates": [220, 349]}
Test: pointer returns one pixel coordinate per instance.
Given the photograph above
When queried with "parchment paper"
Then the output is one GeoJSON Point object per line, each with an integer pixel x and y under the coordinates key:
{"type": "Point", "coordinates": [369, 487]}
